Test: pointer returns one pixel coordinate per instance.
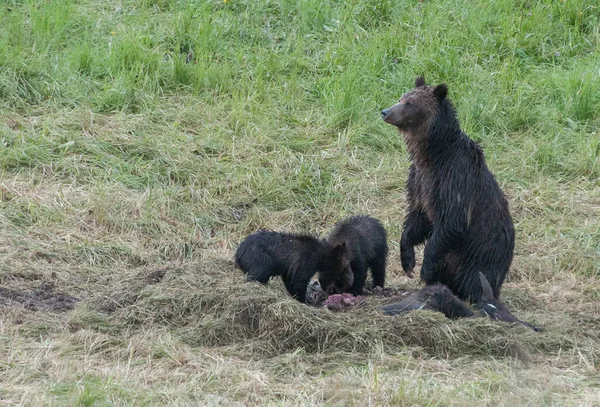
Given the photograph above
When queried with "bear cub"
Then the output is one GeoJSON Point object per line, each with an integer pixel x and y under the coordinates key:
{"type": "Point", "coordinates": [365, 240]}
{"type": "Point", "coordinates": [294, 257]}
{"type": "Point", "coordinates": [454, 201]}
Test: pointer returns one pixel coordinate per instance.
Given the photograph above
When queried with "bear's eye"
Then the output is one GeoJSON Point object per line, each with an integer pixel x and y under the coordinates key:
{"type": "Point", "coordinates": [407, 103]}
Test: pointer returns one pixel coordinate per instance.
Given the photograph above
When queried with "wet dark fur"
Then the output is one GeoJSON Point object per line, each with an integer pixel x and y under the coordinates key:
{"type": "Point", "coordinates": [438, 297]}
{"type": "Point", "coordinates": [296, 258]}
{"type": "Point", "coordinates": [366, 242]}
{"type": "Point", "coordinates": [435, 297]}
{"type": "Point", "coordinates": [454, 201]}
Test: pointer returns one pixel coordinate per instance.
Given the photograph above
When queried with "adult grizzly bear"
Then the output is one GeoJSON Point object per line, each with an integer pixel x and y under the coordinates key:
{"type": "Point", "coordinates": [454, 201]}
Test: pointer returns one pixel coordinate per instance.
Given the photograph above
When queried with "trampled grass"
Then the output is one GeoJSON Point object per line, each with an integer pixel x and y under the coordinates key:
{"type": "Point", "coordinates": [140, 141]}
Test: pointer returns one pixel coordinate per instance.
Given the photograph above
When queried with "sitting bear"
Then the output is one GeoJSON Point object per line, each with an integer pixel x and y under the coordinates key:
{"type": "Point", "coordinates": [454, 201]}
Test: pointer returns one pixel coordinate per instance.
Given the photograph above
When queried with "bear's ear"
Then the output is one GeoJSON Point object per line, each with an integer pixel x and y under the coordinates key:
{"type": "Point", "coordinates": [440, 91]}
{"type": "Point", "coordinates": [420, 81]}
{"type": "Point", "coordinates": [340, 249]}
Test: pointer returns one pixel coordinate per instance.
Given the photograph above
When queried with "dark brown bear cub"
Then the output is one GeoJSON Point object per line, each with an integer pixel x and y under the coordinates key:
{"type": "Point", "coordinates": [296, 258]}
{"type": "Point", "coordinates": [365, 240]}
{"type": "Point", "coordinates": [454, 201]}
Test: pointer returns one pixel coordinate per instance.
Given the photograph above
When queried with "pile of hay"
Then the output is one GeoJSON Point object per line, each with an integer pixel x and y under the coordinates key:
{"type": "Point", "coordinates": [211, 305]}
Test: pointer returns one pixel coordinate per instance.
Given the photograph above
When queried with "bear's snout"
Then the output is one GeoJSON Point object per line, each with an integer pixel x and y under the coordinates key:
{"type": "Point", "coordinates": [385, 113]}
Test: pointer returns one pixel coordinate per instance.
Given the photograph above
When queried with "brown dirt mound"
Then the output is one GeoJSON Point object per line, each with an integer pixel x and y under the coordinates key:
{"type": "Point", "coordinates": [42, 299]}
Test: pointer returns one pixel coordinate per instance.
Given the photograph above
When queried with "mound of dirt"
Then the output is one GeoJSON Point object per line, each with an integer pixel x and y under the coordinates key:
{"type": "Point", "coordinates": [42, 299]}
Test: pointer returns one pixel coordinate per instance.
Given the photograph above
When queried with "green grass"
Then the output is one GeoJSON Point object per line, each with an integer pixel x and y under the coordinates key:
{"type": "Point", "coordinates": [137, 135]}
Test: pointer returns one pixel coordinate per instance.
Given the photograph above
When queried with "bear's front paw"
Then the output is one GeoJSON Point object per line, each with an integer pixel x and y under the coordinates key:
{"type": "Point", "coordinates": [407, 257]}
{"type": "Point", "coordinates": [427, 272]}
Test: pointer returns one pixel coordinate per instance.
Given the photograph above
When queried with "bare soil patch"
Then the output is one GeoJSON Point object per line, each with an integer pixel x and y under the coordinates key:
{"type": "Point", "coordinates": [42, 299]}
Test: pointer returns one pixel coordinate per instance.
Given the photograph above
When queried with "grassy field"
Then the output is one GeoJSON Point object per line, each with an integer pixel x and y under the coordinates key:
{"type": "Point", "coordinates": [140, 141]}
